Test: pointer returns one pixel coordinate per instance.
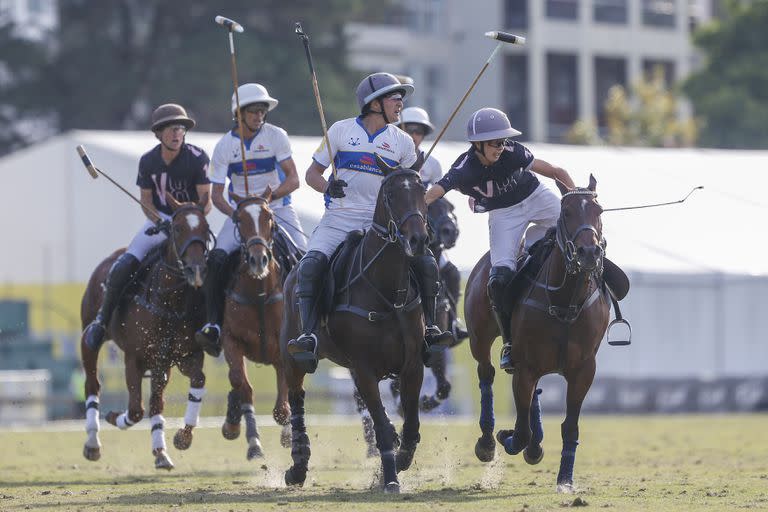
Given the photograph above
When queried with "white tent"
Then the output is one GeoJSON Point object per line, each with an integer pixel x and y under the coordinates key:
{"type": "Point", "coordinates": [698, 269]}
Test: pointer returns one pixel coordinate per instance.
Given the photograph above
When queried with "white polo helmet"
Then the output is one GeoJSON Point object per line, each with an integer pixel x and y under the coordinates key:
{"type": "Point", "coordinates": [252, 93]}
{"type": "Point", "coordinates": [417, 115]}
{"type": "Point", "coordinates": [377, 85]}
{"type": "Point", "coordinates": [489, 124]}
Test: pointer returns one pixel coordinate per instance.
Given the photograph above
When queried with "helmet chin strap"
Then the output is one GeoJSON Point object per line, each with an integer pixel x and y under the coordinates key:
{"type": "Point", "coordinates": [382, 113]}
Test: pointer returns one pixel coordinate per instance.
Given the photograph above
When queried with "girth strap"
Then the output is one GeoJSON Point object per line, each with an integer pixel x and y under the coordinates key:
{"type": "Point", "coordinates": [376, 316]}
{"type": "Point", "coordinates": [566, 314]}
{"type": "Point", "coordinates": [260, 298]}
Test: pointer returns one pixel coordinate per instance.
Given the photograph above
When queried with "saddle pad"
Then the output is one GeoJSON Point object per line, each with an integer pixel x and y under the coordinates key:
{"type": "Point", "coordinates": [615, 278]}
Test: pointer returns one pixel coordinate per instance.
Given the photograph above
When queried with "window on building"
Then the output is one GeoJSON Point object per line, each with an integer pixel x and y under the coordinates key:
{"type": "Point", "coordinates": [516, 13]}
{"type": "Point", "coordinates": [650, 66]}
{"type": "Point", "coordinates": [424, 15]}
{"type": "Point", "coordinates": [562, 94]}
{"type": "Point", "coordinates": [659, 13]}
{"type": "Point", "coordinates": [608, 72]}
{"type": "Point", "coordinates": [515, 87]}
{"type": "Point", "coordinates": [433, 83]}
{"type": "Point", "coordinates": [610, 11]}
{"type": "Point", "coordinates": [563, 9]}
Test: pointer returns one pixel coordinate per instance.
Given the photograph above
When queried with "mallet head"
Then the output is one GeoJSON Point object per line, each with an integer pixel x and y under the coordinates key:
{"type": "Point", "coordinates": [505, 37]}
{"type": "Point", "coordinates": [230, 24]}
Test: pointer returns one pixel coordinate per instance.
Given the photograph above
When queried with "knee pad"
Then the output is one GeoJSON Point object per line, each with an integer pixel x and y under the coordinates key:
{"type": "Point", "coordinates": [312, 268]}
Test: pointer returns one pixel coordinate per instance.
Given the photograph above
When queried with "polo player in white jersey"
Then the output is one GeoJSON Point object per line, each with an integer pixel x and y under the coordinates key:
{"type": "Point", "coordinates": [354, 143]}
{"type": "Point", "coordinates": [270, 164]}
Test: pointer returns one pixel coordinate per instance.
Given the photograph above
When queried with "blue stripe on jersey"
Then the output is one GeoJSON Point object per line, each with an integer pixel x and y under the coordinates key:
{"type": "Point", "coordinates": [255, 166]}
{"type": "Point", "coordinates": [361, 161]}
{"type": "Point", "coordinates": [373, 135]}
{"type": "Point", "coordinates": [281, 176]}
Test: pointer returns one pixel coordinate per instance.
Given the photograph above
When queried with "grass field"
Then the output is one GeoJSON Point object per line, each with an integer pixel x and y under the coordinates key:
{"type": "Point", "coordinates": [627, 463]}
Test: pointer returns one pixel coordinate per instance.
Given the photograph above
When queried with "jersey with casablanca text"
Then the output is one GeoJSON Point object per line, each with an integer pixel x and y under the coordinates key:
{"type": "Point", "coordinates": [180, 178]}
{"type": "Point", "coordinates": [505, 183]}
{"type": "Point", "coordinates": [354, 153]}
{"type": "Point", "coordinates": [263, 153]}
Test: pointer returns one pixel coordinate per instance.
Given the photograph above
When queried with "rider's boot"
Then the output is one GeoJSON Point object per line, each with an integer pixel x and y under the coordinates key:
{"type": "Point", "coordinates": [498, 280]}
{"type": "Point", "coordinates": [209, 337]}
{"type": "Point", "coordinates": [312, 269]}
{"type": "Point", "coordinates": [119, 276]}
{"type": "Point", "coordinates": [451, 277]}
{"type": "Point", "coordinates": [435, 339]}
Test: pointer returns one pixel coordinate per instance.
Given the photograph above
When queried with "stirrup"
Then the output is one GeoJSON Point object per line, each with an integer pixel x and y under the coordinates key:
{"type": "Point", "coordinates": [505, 359]}
{"type": "Point", "coordinates": [437, 338]}
{"type": "Point", "coordinates": [208, 339]}
{"type": "Point", "coordinates": [619, 340]}
{"type": "Point", "coordinates": [304, 355]}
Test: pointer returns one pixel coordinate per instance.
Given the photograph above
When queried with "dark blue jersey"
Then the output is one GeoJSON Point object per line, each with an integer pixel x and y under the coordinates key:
{"type": "Point", "coordinates": [505, 183]}
{"type": "Point", "coordinates": [180, 178]}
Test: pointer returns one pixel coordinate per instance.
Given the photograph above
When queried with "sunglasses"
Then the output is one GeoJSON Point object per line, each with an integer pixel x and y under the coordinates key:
{"type": "Point", "coordinates": [411, 129]}
{"type": "Point", "coordinates": [498, 143]}
{"type": "Point", "coordinates": [176, 128]}
{"type": "Point", "coordinates": [255, 109]}
{"type": "Point", "coordinates": [395, 96]}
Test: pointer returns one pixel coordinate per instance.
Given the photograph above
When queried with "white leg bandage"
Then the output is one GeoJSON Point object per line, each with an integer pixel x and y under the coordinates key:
{"type": "Point", "coordinates": [92, 413]}
{"type": "Point", "coordinates": [194, 401]}
{"type": "Point", "coordinates": [158, 434]}
{"type": "Point", "coordinates": [123, 422]}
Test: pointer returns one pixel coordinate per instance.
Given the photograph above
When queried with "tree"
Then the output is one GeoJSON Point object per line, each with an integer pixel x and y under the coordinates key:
{"type": "Point", "coordinates": [648, 116]}
{"type": "Point", "coordinates": [115, 61]}
{"type": "Point", "coordinates": [730, 93]}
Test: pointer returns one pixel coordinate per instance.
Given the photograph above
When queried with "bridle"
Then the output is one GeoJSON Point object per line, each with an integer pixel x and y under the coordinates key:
{"type": "Point", "coordinates": [245, 245]}
{"type": "Point", "coordinates": [178, 252]}
{"type": "Point", "coordinates": [566, 240]}
{"type": "Point", "coordinates": [436, 223]}
{"type": "Point", "coordinates": [392, 232]}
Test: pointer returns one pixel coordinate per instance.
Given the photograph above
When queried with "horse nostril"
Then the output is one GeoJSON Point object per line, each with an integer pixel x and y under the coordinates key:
{"type": "Point", "coordinates": [264, 260]}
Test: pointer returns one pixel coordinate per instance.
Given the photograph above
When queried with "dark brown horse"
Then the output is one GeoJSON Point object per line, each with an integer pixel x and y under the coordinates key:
{"type": "Point", "coordinates": [375, 326]}
{"type": "Point", "coordinates": [558, 319]}
{"type": "Point", "coordinates": [253, 312]}
{"type": "Point", "coordinates": [154, 326]}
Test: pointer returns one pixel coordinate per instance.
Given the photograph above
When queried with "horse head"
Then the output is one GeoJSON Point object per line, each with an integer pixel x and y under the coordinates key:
{"type": "Point", "coordinates": [188, 237]}
{"type": "Point", "coordinates": [255, 224]}
{"type": "Point", "coordinates": [580, 229]}
{"type": "Point", "coordinates": [401, 210]}
{"type": "Point", "coordinates": [443, 222]}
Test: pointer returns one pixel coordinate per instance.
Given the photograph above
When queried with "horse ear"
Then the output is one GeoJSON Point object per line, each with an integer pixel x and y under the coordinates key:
{"type": "Point", "coordinates": [267, 195]}
{"type": "Point", "coordinates": [419, 161]}
{"type": "Point", "coordinates": [384, 166]}
{"type": "Point", "coordinates": [203, 202]}
{"type": "Point", "coordinates": [172, 201]}
{"type": "Point", "coordinates": [592, 183]}
{"type": "Point", "coordinates": [563, 188]}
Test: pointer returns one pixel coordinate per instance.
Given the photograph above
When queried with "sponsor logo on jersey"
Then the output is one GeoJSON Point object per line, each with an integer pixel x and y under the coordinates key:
{"type": "Point", "coordinates": [386, 147]}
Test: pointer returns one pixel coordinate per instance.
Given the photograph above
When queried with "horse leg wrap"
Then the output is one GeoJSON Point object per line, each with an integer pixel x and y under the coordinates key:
{"type": "Point", "coordinates": [194, 401]}
{"type": "Point", "coordinates": [513, 444]}
{"type": "Point", "coordinates": [388, 466]}
{"type": "Point", "coordinates": [385, 435]}
{"type": "Point", "coordinates": [250, 421]}
{"type": "Point", "coordinates": [123, 422]}
{"type": "Point", "coordinates": [234, 414]}
{"type": "Point", "coordinates": [567, 459]}
{"type": "Point", "coordinates": [535, 419]}
{"type": "Point", "coordinates": [92, 414]}
{"type": "Point", "coordinates": [158, 434]}
{"type": "Point", "coordinates": [487, 419]}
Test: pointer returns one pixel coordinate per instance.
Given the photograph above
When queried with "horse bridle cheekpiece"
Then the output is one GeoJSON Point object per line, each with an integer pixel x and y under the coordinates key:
{"type": "Point", "coordinates": [566, 241]}
{"type": "Point", "coordinates": [436, 223]}
{"type": "Point", "coordinates": [178, 252]}
{"type": "Point", "coordinates": [391, 233]}
{"type": "Point", "coordinates": [245, 245]}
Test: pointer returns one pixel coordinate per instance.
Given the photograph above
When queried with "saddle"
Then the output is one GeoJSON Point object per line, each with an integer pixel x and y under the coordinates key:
{"type": "Point", "coordinates": [337, 278]}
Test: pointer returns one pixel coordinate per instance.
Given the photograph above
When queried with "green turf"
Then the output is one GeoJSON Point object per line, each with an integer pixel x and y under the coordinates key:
{"type": "Point", "coordinates": [623, 464]}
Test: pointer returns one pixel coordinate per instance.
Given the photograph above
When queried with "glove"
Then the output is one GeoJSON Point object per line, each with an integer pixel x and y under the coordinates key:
{"type": "Point", "coordinates": [480, 205]}
{"type": "Point", "coordinates": [335, 188]}
{"type": "Point", "coordinates": [161, 226]}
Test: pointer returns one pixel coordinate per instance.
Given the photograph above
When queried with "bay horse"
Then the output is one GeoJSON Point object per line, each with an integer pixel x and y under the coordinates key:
{"type": "Point", "coordinates": [374, 326]}
{"type": "Point", "coordinates": [558, 319]}
{"type": "Point", "coordinates": [154, 326]}
{"type": "Point", "coordinates": [253, 312]}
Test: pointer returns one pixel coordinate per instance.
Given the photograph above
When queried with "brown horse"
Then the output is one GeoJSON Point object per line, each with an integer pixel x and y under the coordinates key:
{"type": "Point", "coordinates": [375, 325]}
{"type": "Point", "coordinates": [557, 326]}
{"type": "Point", "coordinates": [253, 312]}
{"type": "Point", "coordinates": [154, 326]}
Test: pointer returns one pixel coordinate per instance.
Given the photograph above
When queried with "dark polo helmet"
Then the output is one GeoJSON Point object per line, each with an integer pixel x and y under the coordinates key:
{"type": "Point", "coordinates": [170, 113]}
{"type": "Point", "coordinates": [379, 84]}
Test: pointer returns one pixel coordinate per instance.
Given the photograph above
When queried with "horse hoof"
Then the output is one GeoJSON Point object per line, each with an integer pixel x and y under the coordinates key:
{"type": "Point", "coordinates": [443, 391]}
{"type": "Point", "coordinates": [92, 453]}
{"type": "Point", "coordinates": [485, 450]}
{"type": "Point", "coordinates": [163, 461]}
{"type": "Point", "coordinates": [404, 459]}
{"type": "Point", "coordinates": [230, 431]}
{"type": "Point", "coordinates": [285, 436]}
{"type": "Point", "coordinates": [502, 435]}
{"type": "Point", "coordinates": [533, 455]}
{"type": "Point", "coordinates": [392, 488]}
{"type": "Point", "coordinates": [111, 418]}
{"type": "Point", "coordinates": [183, 438]}
{"type": "Point", "coordinates": [566, 488]}
{"type": "Point", "coordinates": [428, 403]}
{"type": "Point", "coordinates": [254, 450]}
{"type": "Point", "coordinates": [291, 479]}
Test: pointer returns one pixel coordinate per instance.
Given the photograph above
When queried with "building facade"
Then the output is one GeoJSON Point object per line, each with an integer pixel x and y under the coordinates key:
{"type": "Point", "coordinates": [575, 51]}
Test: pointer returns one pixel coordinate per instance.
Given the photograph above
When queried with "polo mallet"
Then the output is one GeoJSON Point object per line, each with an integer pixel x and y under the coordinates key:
{"type": "Point", "coordinates": [700, 187]}
{"type": "Point", "coordinates": [501, 37]}
{"type": "Point", "coordinates": [95, 171]}
{"type": "Point", "coordinates": [305, 39]}
{"type": "Point", "coordinates": [233, 26]}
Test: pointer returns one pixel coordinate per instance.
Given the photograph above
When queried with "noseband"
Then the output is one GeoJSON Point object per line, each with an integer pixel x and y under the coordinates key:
{"type": "Point", "coordinates": [392, 233]}
{"type": "Point", "coordinates": [245, 245]}
{"type": "Point", "coordinates": [566, 241]}
{"type": "Point", "coordinates": [178, 252]}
